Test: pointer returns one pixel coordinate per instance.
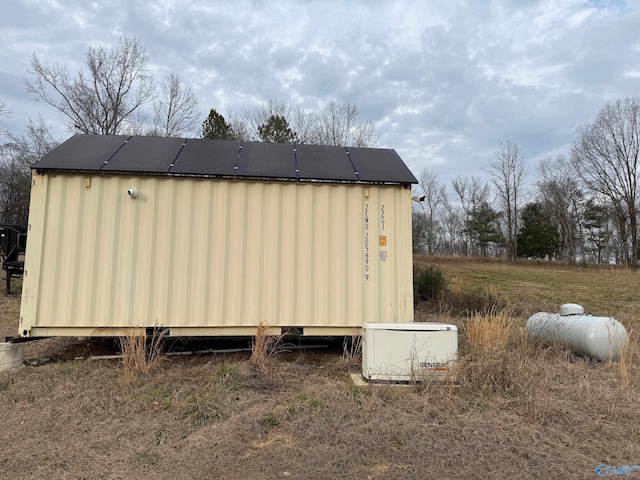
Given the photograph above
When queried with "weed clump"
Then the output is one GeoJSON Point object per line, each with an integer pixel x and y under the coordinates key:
{"type": "Point", "coordinates": [140, 352]}
{"type": "Point", "coordinates": [628, 362]}
{"type": "Point", "coordinates": [485, 334]}
{"type": "Point", "coordinates": [491, 348]}
{"type": "Point", "coordinates": [264, 346]}
{"type": "Point", "coordinates": [304, 402]}
{"type": "Point", "coordinates": [352, 347]}
{"type": "Point", "coordinates": [480, 302]}
{"type": "Point", "coordinates": [203, 410]}
{"type": "Point", "coordinates": [431, 286]}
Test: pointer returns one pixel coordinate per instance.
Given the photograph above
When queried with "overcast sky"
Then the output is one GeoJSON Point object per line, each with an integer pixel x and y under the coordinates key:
{"type": "Point", "coordinates": [445, 81]}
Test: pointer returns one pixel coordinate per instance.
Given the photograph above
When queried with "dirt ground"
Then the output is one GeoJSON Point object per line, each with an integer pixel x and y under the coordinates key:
{"type": "Point", "coordinates": [65, 416]}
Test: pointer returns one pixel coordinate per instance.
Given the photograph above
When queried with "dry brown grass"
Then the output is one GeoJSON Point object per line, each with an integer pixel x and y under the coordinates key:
{"type": "Point", "coordinates": [9, 308]}
{"type": "Point", "coordinates": [140, 352]}
{"type": "Point", "coordinates": [500, 367]}
{"type": "Point", "coordinates": [264, 346]}
{"type": "Point", "coordinates": [491, 351]}
{"type": "Point", "coordinates": [488, 333]}
{"type": "Point", "coordinates": [520, 410]}
{"type": "Point", "coordinates": [352, 348]}
{"type": "Point", "coordinates": [629, 361]}
{"type": "Point", "coordinates": [526, 288]}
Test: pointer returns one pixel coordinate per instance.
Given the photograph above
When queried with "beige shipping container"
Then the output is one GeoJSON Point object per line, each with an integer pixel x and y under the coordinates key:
{"type": "Point", "coordinates": [203, 254]}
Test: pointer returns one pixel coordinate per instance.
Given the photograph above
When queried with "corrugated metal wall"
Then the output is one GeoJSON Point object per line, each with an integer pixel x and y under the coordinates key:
{"type": "Point", "coordinates": [199, 253]}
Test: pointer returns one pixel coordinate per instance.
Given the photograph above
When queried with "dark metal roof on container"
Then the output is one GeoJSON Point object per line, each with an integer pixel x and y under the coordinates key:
{"type": "Point", "coordinates": [226, 159]}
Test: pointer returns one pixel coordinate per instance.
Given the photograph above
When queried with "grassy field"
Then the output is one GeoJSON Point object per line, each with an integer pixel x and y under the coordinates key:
{"type": "Point", "coordinates": [533, 287]}
{"type": "Point", "coordinates": [520, 410]}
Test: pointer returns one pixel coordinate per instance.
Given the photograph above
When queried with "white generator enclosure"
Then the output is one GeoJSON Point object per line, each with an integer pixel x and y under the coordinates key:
{"type": "Point", "coordinates": [408, 351]}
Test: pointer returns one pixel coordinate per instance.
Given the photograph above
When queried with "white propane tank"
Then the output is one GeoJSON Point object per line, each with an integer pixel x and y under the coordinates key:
{"type": "Point", "coordinates": [599, 337]}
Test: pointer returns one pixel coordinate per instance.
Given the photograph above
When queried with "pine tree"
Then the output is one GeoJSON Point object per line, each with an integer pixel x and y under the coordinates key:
{"type": "Point", "coordinates": [276, 130]}
{"type": "Point", "coordinates": [215, 127]}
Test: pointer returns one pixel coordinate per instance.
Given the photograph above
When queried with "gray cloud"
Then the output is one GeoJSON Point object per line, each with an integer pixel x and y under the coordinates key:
{"type": "Point", "coordinates": [445, 82]}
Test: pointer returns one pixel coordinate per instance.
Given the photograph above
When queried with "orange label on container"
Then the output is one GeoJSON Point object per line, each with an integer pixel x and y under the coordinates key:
{"type": "Point", "coordinates": [383, 240]}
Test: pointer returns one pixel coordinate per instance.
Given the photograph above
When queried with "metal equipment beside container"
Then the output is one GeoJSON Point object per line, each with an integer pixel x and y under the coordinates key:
{"type": "Point", "coordinates": [408, 352]}
{"type": "Point", "coordinates": [602, 338]}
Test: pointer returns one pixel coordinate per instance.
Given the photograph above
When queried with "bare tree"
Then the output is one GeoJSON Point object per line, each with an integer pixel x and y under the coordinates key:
{"type": "Point", "coordinates": [256, 116]}
{"type": "Point", "coordinates": [17, 154]}
{"type": "Point", "coordinates": [339, 125]}
{"type": "Point", "coordinates": [419, 231]}
{"type": "Point", "coordinates": [35, 143]}
{"type": "Point", "coordinates": [562, 200]}
{"type": "Point", "coordinates": [239, 128]}
{"type": "Point", "coordinates": [102, 99]}
{"type": "Point", "coordinates": [434, 198]}
{"type": "Point", "coordinates": [598, 236]}
{"type": "Point", "coordinates": [304, 122]}
{"type": "Point", "coordinates": [175, 110]}
{"type": "Point", "coordinates": [453, 239]}
{"type": "Point", "coordinates": [471, 192]}
{"type": "Point", "coordinates": [606, 156]}
{"type": "Point", "coordinates": [507, 172]}
{"type": "Point", "coordinates": [15, 183]}
{"type": "Point", "coordinates": [299, 119]}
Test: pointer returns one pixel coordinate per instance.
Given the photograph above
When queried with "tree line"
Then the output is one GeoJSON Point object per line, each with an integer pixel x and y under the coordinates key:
{"type": "Point", "coordinates": [114, 94]}
{"type": "Point", "coordinates": [577, 208]}
{"type": "Point", "coordinates": [582, 207]}
{"type": "Point", "coordinates": [277, 122]}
